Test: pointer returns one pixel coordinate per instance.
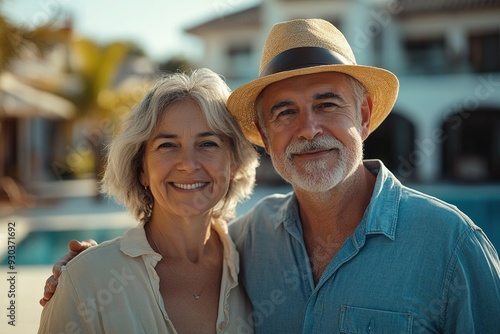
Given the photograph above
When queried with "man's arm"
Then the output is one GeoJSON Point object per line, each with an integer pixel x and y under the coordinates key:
{"type": "Point", "coordinates": [75, 247]}
{"type": "Point", "coordinates": [472, 303]}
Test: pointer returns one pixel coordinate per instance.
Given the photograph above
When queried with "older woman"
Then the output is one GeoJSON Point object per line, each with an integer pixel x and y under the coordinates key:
{"type": "Point", "coordinates": [180, 165]}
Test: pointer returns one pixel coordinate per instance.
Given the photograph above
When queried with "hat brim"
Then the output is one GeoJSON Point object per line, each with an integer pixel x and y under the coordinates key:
{"type": "Point", "coordinates": [381, 85]}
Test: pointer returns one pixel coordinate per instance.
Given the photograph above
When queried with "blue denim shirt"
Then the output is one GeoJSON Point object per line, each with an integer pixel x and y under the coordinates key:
{"type": "Point", "coordinates": [415, 264]}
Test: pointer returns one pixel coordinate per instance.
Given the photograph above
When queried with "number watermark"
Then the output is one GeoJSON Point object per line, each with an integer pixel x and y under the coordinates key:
{"type": "Point", "coordinates": [11, 276]}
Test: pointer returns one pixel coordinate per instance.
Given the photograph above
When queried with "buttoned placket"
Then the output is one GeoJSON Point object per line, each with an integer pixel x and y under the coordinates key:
{"type": "Point", "coordinates": [150, 263]}
{"type": "Point", "coordinates": [223, 324]}
{"type": "Point", "coordinates": [348, 251]}
{"type": "Point", "coordinates": [293, 227]}
{"type": "Point", "coordinates": [351, 247]}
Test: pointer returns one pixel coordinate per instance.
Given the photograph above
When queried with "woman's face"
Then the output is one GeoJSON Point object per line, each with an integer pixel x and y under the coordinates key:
{"type": "Point", "coordinates": [186, 165]}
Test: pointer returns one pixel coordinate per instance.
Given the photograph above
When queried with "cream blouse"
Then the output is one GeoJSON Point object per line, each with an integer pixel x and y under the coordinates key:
{"type": "Point", "coordinates": [113, 287]}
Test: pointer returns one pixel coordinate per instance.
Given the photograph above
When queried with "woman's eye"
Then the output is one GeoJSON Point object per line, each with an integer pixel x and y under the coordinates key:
{"type": "Point", "coordinates": [209, 144]}
{"type": "Point", "coordinates": [166, 145]}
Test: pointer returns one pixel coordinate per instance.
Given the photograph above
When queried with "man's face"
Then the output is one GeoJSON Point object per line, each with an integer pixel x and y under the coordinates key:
{"type": "Point", "coordinates": [314, 131]}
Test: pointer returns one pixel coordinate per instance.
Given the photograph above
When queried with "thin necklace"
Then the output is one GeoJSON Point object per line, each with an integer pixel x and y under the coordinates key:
{"type": "Point", "coordinates": [196, 295]}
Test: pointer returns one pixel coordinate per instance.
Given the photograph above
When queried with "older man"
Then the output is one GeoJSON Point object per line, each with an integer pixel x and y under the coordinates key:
{"type": "Point", "coordinates": [351, 249]}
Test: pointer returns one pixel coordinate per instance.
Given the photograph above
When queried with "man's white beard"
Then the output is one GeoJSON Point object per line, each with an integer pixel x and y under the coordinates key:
{"type": "Point", "coordinates": [317, 175]}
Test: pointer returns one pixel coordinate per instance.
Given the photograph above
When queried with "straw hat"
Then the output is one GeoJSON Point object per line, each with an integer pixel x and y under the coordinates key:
{"type": "Point", "coordinates": [309, 46]}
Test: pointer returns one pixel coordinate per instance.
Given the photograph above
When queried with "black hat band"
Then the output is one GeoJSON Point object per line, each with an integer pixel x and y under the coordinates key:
{"type": "Point", "coordinates": [303, 57]}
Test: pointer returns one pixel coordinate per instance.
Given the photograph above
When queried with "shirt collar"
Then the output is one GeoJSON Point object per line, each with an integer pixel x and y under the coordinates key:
{"type": "Point", "coordinates": [381, 215]}
{"type": "Point", "coordinates": [134, 243]}
{"type": "Point", "coordinates": [230, 253]}
{"type": "Point", "coordinates": [288, 214]}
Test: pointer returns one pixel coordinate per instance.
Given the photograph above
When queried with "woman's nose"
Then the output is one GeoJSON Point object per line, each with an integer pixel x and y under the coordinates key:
{"type": "Point", "coordinates": [188, 160]}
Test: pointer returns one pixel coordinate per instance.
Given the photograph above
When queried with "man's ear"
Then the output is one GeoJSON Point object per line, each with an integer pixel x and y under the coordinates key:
{"type": "Point", "coordinates": [366, 115]}
{"type": "Point", "coordinates": [263, 136]}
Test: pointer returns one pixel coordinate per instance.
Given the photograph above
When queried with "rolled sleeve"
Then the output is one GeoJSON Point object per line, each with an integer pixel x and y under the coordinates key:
{"type": "Point", "coordinates": [60, 314]}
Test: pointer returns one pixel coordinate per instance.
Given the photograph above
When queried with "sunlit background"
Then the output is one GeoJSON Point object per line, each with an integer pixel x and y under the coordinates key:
{"type": "Point", "coordinates": [70, 69]}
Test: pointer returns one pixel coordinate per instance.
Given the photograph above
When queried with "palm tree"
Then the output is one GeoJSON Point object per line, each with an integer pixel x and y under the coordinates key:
{"type": "Point", "coordinates": [94, 69]}
{"type": "Point", "coordinates": [98, 101]}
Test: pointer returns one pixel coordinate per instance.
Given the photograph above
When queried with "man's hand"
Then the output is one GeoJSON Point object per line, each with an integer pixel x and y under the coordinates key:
{"type": "Point", "coordinates": [75, 247]}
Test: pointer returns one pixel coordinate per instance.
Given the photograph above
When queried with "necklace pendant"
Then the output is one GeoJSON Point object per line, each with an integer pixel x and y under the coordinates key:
{"type": "Point", "coordinates": [196, 296]}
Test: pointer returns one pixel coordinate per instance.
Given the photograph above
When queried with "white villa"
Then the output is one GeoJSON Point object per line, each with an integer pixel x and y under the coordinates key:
{"type": "Point", "coordinates": [445, 125]}
{"type": "Point", "coordinates": [443, 134]}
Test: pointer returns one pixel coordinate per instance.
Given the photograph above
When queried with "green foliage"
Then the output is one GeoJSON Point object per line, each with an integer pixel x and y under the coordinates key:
{"type": "Point", "coordinates": [175, 64]}
{"type": "Point", "coordinates": [11, 38]}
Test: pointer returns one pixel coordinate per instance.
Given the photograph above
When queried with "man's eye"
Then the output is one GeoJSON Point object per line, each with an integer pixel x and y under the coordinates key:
{"type": "Point", "coordinates": [285, 112]}
{"type": "Point", "coordinates": [327, 105]}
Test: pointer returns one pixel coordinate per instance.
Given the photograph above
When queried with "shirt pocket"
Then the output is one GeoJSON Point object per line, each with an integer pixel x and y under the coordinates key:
{"type": "Point", "coordinates": [356, 320]}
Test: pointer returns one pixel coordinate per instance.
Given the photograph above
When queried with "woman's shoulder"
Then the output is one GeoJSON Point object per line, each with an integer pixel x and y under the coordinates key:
{"type": "Point", "coordinates": [102, 253]}
{"type": "Point", "coordinates": [97, 268]}
{"type": "Point", "coordinates": [109, 253]}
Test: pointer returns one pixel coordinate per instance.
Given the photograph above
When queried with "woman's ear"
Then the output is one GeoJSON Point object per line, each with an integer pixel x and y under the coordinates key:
{"type": "Point", "coordinates": [144, 179]}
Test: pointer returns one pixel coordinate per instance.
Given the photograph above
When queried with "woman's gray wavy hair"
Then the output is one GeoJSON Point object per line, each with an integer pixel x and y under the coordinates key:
{"type": "Point", "coordinates": [126, 151]}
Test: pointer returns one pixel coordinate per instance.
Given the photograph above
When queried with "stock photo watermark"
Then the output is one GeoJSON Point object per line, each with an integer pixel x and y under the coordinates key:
{"type": "Point", "coordinates": [90, 308]}
{"type": "Point", "coordinates": [373, 27]}
{"type": "Point", "coordinates": [47, 10]}
{"type": "Point", "coordinates": [225, 7]}
{"type": "Point", "coordinates": [11, 274]}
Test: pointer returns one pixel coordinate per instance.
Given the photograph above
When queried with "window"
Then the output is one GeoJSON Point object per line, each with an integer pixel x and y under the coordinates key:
{"type": "Point", "coordinates": [484, 52]}
{"type": "Point", "coordinates": [426, 56]}
{"type": "Point", "coordinates": [471, 152]}
{"type": "Point", "coordinates": [240, 62]}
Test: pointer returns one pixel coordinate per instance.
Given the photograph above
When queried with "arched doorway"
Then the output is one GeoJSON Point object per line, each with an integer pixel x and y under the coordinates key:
{"type": "Point", "coordinates": [393, 142]}
{"type": "Point", "coordinates": [471, 151]}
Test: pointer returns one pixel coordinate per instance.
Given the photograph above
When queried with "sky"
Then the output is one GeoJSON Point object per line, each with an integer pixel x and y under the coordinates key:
{"type": "Point", "coordinates": [154, 25]}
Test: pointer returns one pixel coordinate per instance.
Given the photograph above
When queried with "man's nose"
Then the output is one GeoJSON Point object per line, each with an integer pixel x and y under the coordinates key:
{"type": "Point", "coordinates": [309, 125]}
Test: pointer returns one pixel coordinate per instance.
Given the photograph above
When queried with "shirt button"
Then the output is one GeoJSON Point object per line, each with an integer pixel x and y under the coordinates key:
{"type": "Point", "coordinates": [222, 326]}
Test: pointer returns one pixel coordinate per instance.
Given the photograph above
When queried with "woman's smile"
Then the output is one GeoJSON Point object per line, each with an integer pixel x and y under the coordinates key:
{"type": "Point", "coordinates": [189, 186]}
